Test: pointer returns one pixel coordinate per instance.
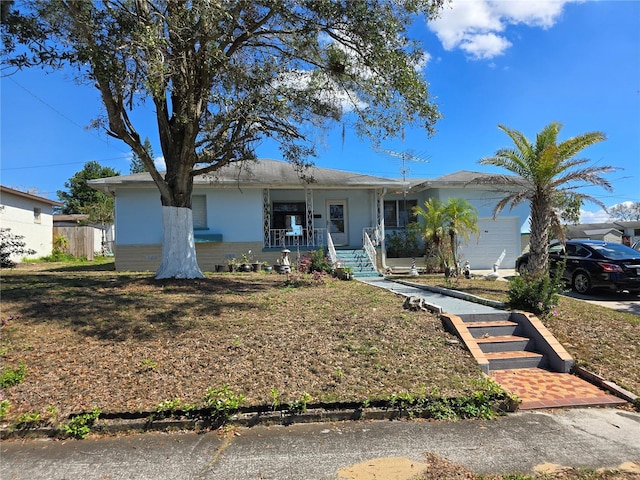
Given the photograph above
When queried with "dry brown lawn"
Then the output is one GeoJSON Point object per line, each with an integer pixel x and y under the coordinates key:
{"type": "Point", "coordinates": [124, 342]}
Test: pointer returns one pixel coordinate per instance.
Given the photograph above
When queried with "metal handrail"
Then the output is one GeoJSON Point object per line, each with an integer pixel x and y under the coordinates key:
{"type": "Point", "coordinates": [333, 256]}
{"type": "Point", "coordinates": [370, 249]}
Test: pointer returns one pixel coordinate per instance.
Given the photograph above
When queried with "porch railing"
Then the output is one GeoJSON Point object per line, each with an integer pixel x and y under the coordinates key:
{"type": "Point", "coordinates": [374, 234]}
{"type": "Point", "coordinates": [333, 256]}
{"type": "Point", "coordinates": [281, 238]}
{"type": "Point", "coordinates": [370, 249]}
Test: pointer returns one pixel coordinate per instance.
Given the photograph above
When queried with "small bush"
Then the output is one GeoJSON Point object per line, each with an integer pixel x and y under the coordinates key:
{"type": "Point", "coordinates": [5, 405]}
{"type": "Point", "coordinates": [535, 294]}
{"type": "Point", "coordinates": [223, 402]}
{"type": "Point", "coordinates": [12, 245]}
{"type": "Point", "coordinates": [27, 420]}
{"type": "Point", "coordinates": [80, 425]}
{"type": "Point", "coordinates": [12, 376]}
{"type": "Point", "coordinates": [404, 243]}
{"type": "Point", "coordinates": [315, 261]}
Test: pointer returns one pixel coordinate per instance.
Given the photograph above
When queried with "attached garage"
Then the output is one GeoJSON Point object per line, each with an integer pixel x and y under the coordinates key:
{"type": "Point", "coordinates": [495, 236]}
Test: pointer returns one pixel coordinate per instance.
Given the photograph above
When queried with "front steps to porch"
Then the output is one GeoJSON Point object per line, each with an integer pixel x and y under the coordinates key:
{"type": "Point", "coordinates": [509, 340]}
{"type": "Point", "coordinates": [519, 353]}
{"type": "Point", "coordinates": [358, 261]}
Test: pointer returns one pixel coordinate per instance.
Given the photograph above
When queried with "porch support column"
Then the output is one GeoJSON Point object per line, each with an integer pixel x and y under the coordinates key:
{"type": "Point", "coordinates": [266, 217]}
{"type": "Point", "coordinates": [308, 193]}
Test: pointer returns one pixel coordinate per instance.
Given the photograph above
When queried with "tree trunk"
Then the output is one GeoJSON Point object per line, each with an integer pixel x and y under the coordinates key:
{"type": "Point", "coordinates": [178, 247]}
{"type": "Point", "coordinates": [539, 239]}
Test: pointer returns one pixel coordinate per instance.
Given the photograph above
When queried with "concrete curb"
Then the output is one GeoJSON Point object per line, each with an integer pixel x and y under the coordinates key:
{"type": "Point", "coordinates": [605, 384]}
{"type": "Point", "coordinates": [116, 423]}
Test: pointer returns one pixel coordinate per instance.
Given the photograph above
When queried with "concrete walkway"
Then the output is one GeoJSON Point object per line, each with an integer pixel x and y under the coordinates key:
{"type": "Point", "coordinates": [446, 303]}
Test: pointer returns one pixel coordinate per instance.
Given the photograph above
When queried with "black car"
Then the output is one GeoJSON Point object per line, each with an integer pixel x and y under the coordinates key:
{"type": "Point", "coordinates": [593, 264]}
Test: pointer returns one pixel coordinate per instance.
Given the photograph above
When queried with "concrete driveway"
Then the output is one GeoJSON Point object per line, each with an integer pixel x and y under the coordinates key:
{"type": "Point", "coordinates": [620, 301]}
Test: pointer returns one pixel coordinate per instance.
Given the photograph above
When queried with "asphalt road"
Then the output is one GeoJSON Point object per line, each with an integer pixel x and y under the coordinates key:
{"type": "Point", "coordinates": [581, 438]}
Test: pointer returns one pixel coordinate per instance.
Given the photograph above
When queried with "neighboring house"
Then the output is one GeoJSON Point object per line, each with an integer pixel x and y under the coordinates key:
{"type": "Point", "coordinates": [268, 205]}
{"type": "Point", "coordinates": [614, 231]}
{"type": "Point", "coordinates": [630, 231]}
{"type": "Point", "coordinates": [594, 231]}
{"type": "Point", "coordinates": [30, 216]}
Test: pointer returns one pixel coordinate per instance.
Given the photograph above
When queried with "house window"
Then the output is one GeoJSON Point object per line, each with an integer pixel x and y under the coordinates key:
{"type": "Point", "coordinates": [199, 209]}
{"type": "Point", "coordinates": [37, 215]}
{"type": "Point", "coordinates": [399, 213]}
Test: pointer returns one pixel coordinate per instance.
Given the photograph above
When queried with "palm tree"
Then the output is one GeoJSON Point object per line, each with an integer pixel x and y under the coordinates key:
{"type": "Point", "coordinates": [547, 172]}
{"type": "Point", "coordinates": [433, 225]}
{"type": "Point", "coordinates": [456, 218]}
{"type": "Point", "coordinates": [461, 221]}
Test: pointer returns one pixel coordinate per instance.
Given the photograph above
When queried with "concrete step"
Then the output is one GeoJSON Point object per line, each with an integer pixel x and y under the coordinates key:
{"type": "Point", "coordinates": [491, 328]}
{"type": "Point", "coordinates": [514, 360]}
{"type": "Point", "coordinates": [504, 343]}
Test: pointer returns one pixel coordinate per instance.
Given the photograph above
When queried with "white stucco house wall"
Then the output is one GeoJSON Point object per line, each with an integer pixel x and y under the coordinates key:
{"type": "Point", "coordinates": [266, 205]}
{"type": "Point", "coordinates": [30, 216]}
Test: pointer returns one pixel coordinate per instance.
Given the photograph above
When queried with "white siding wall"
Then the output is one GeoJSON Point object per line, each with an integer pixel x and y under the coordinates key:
{"type": "Point", "coordinates": [17, 214]}
{"type": "Point", "coordinates": [237, 215]}
{"type": "Point", "coordinates": [495, 235]}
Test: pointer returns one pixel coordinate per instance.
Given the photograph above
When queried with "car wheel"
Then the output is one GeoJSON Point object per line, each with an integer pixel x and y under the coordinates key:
{"type": "Point", "coordinates": [581, 282]}
{"type": "Point", "coordinates": [523, 269]}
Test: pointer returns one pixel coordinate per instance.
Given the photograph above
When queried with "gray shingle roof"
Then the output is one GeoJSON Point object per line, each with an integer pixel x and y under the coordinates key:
{"type": "Point", "coordinates": [268, 173]}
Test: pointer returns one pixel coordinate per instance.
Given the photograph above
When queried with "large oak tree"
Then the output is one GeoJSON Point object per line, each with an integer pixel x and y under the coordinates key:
{"type": "Point", "coordinates": [222, 75]}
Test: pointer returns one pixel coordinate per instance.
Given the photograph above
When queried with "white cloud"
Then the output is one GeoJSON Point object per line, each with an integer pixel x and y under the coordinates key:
{"type": "Point", "coordinates": [477, 26]}
{"type": "Point", "coordinates": [487, 45]}
{"type": "Point", "coordinates": [161, 166]}
{"type": "Point", "coordinates": [599, 216]}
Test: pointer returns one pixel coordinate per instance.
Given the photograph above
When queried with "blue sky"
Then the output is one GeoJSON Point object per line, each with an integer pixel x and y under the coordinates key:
{"type": "Point", "coordinates": [518, 63]}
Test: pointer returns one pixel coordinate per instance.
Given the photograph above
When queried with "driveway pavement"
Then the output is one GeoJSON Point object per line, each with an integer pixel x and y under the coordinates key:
{"type": "Point", "coordinates": [580, 438]}
{"type": "Point", "coordinates": [621, 301]}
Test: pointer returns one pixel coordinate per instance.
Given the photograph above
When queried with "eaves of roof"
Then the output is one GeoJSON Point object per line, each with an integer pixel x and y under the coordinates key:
{"type": "Point", "coordinates": [35, 198]}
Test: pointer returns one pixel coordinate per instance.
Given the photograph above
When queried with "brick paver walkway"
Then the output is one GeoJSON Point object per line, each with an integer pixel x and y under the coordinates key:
{"type": "Point", "coordinates": [538, 388]}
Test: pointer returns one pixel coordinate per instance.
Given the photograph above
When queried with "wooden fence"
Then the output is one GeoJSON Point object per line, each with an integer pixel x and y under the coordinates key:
{"type": "Point", "coordinates": [80, 240]}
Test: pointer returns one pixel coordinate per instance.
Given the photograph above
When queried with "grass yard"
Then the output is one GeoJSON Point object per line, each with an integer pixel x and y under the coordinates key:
{"type": "Point", "coordinates": [125, 342]}
{"type": "Point", "coordinates": [604, 341]}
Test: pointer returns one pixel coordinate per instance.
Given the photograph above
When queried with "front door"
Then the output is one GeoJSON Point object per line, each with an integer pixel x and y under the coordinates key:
{"type": "Point", "coordinates": [337, 224]}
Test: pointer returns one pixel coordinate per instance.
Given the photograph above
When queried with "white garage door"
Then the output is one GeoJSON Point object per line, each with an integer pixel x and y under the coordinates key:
{"type": "Point", "coordinates": [495, 236]}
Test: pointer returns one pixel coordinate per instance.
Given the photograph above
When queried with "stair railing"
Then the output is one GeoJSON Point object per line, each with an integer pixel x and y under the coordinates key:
{"type": "Point", "coordinates": [333, 256]}
{"type": "Point", "coordinates": [370, 249]}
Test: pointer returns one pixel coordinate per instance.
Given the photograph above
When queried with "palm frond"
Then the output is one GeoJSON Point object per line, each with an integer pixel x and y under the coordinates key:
{"type": "Point", "coordinates": [572, 146]}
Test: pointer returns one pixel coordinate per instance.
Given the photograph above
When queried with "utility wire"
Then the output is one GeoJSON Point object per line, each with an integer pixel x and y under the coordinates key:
{"type": "Point", "coordinates": [67, 118]}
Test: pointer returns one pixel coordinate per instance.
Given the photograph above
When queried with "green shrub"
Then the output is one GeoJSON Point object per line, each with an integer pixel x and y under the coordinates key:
{"type": "Point", "coordinates": [223, 402]}
{"type": "Point", "coordinates": [404, 243]}
{"type": "Point", "coordinates": [535, 294]}
{"type": "Point", "coordinates": [12, 376]}
{"type": "Point", "coordinates": [80, 425]}
{"type": "Point", "coordinates": [315, 261]}
{"type": "Point", "coordinates": [27, 420]}
{"type": "Point", "coordinates": [12, 245]}
{"type": "Point", "coordinates": [5, 405]}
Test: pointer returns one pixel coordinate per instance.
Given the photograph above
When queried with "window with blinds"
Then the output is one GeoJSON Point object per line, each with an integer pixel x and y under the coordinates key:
{"type": "Point", "coordinates": [199, 209]}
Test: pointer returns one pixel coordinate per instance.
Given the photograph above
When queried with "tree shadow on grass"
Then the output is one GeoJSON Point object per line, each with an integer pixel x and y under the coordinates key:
{"type": "Point", "coordinates": [120, 307]}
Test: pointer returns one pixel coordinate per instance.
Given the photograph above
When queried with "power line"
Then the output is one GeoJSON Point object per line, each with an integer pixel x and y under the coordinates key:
{"type": "Point", "coordinates": [67, 118]}
{"type": "Point", "coordinates": [61, 164]}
